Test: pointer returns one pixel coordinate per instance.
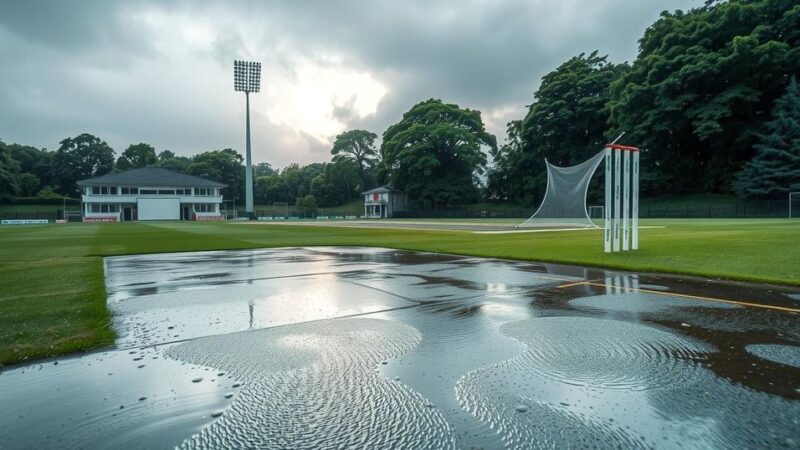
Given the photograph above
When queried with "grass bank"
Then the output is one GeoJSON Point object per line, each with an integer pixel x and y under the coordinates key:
{"type": "Point", "coordinates": [52, 296]}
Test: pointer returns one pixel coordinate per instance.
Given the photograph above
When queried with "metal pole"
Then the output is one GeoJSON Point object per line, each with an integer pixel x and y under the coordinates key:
{"type": "Point", "coordinates": [248, 177]}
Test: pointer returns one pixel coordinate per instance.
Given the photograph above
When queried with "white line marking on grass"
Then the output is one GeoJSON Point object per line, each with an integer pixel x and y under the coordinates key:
{"type": "Point", "coordinates": [547, 230]}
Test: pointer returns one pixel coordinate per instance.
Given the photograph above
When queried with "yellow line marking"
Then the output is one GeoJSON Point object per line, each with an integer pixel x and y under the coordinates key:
{"type": "Point", "coordinates": [577, 283]}
{"type": "Point", "coordinates": [693, 297]}
{"type": "Point", "coordinates": [550, 278]}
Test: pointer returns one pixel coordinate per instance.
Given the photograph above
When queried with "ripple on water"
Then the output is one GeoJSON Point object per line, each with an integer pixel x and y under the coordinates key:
{"type": "Point", "coordinates": [608, 354]}
{"type": "Point", "coordinates": [314, 385]}
{"type": "Point", "coordinates": [569, 361]}
{"type": "Point", "coordinates": [636, 302]}
{"type": "Point", "coordinates": [619, 385]}
{"type": "Point", "coordinates": [788, 355]}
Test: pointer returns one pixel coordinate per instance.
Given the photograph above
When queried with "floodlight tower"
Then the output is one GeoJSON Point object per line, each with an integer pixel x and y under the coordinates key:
{"type": "Point", "coordinates": [247, 79]}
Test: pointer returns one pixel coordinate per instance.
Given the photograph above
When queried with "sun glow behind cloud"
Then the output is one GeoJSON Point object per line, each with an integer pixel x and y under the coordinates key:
{"type": "Point", "coordinates": [306, 94]}
{"type": "Point", "coordinates": [318, 99]}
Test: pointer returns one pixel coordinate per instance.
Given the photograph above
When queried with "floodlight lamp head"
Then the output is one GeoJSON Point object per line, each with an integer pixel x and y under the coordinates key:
{"type": "Point", "coordinates": [246, 76]}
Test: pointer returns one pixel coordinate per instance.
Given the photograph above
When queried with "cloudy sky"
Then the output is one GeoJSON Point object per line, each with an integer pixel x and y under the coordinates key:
{"type": "Point", "coordinates": [161, 72]}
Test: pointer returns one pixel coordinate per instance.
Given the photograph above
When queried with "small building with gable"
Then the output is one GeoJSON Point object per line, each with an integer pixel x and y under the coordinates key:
{"type": "Point", "coordinates": [150, 193]}
{"type": "Point", "coordinates": [383, 202]}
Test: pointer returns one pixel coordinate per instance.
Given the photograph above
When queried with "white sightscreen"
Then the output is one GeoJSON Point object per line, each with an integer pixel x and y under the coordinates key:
{"type": "Point", "coordinates": [159, 208]}
{"type": "Point", "coordinates": [564, 203]}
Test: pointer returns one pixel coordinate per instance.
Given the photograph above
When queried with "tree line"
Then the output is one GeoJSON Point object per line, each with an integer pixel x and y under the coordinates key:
{"type": "Point", "coordinates": [711, 99]}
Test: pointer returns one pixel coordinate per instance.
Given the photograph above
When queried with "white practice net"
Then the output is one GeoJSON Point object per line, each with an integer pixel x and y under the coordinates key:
{"type": "Point", "coordinates": [564, 203]}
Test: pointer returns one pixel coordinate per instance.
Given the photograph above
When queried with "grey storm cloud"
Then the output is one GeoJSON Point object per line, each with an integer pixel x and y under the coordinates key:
{"type": "Point", "coordinates": [159, 72]}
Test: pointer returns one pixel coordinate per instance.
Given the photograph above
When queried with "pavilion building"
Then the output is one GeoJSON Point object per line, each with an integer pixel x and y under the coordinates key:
{"type": "Point", "coordinates": [382, 202]}
{"type": "Point", "coordinates": [150, 193]}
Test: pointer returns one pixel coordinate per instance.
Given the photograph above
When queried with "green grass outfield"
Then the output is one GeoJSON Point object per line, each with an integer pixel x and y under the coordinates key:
{"type": "Point", "coordinates": [52, 297]}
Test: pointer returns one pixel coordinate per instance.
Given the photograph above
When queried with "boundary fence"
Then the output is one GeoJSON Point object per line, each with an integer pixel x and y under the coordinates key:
{"type": "Point", "coordinates": [731, 209]}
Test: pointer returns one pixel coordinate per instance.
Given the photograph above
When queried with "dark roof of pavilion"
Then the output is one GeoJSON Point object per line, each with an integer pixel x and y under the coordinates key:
{"type": "Point", "coordinates": [151, 176]}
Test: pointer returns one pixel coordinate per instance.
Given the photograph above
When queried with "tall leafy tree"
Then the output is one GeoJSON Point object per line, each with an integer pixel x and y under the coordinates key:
{"type": "Point", "coordinates": [136, 156]}
{"type": "Point", "coordinates": [702, 87]}
{"type": "Point", "coordinates": [264, 169]}
{"type": "Point", "coordinates": [565, 124]}
{"type": "Point", "coordinates": [338, 183]}
{"type": "Point", "coordinates": [168, 160]}
{"type": "Point", "coordinates": [29, 184]}
{"type": "Point", "coordinates": [81, 157]}
{"type": "Point", "coordinates": [224, 166]}
{"type": "Point", "coordinates": [434, 153]}
{"type": "Point", "coordinates": [359, 147]}
{"type": "Point", "coordinates": [775, 170]}
{"type": "Point", "coordinates": [9, 183]}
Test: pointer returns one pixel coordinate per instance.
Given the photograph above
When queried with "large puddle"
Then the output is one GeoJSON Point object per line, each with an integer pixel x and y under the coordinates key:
{"type": "Point", "coordinates": [375, 348]}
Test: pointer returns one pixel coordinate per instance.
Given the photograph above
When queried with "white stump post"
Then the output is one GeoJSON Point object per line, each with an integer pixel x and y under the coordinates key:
{"type": "Point", "coordinates": [617, 164]}
{"type": "Point", "coordinates": [626, 198]}
{"type": "Point", "coordinates": [635, 212]}
{"type": "Point", "coordinates": [607, 209]}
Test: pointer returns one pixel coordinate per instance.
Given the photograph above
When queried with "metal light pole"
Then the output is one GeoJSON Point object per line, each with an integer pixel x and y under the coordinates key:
{"type": "Point", "coordinates": [247, 79]}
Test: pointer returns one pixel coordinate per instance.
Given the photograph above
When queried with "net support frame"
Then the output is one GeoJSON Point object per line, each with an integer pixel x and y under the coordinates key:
{"type": "Point", "coordinates": [791, 200]}
{"type": "Point", "coordinates": [635, 203]}
{"type": "Point", "coordinates": [607, 210]}
{"type": "Point", "coordinates": [621, 227]}
{"type": "Point", "coordinates": [564, 201]}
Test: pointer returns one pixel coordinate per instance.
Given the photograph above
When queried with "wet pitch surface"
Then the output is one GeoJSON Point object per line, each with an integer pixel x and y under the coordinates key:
{"type": "Point", "coordinates": [375, 348]}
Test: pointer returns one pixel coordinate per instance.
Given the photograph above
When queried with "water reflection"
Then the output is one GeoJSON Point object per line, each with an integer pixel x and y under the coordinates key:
{"type": "Point", "coordinates": [470, 352]}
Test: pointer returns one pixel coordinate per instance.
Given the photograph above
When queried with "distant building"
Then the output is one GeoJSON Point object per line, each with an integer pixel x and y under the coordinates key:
{"type": "Point", "coordinates": [383, 202]}
{"type": "Point", "coordinates": [150, 193]}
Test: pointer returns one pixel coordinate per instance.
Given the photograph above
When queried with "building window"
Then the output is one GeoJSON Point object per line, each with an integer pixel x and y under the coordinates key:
{"type": "Point", "coordinates": [205, 207]}
{"type": "Point", "coordinates": [112, 190]}
{"type": "Point", "coordinates": [203, 191]}
{"type": "Point", "coordinates": [96, 190]}
{"type": "Point", "coordinates": [129, 190]}
{"type": "Point", "coordinates": [166, 192]}
{"type": "Point", "coordinates": [148, 191]}
{"type": "Point", "coordinates": [104, 208]}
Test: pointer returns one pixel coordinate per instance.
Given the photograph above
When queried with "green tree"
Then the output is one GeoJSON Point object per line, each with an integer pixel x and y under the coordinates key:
{"type": "Point", "coordinates": [28, 184]}
{"type": "Point", "coordinates": [168, 160]}
{"type": "Point", "coordinates": [9, 183]}
{"type": "Point", "coordinates": [264, 169]}
{"type": "Point", "coordinates": [224, 166]}
{"type": "Point", "coordinates": [565, 124]}
{"type": "Point", "coordinates": [359, 147]}
{"type": "Point", "coordinates": [702, 87]}
{"type": "Point", "coordinates": [136, 156]}
{"type": "Point", "coordinates": [308, 203]}
{"type": "Point", "coordinates": [84, 156]}
{"type": "Point", "coordinates": [338, 183]}
{"type": "Point", "coordinates": [775, 170]}
{"type": "Point", "coordinates": [270, 189]}
{"type": "Point", "coordinates": [434, 153]}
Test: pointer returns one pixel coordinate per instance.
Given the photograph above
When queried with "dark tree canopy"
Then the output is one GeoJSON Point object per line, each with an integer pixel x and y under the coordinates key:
{"type": "Point", "coordinates": [9, 184]}
{"type": "Point", "coordinates": [359, 147]}
{"type": "Point", "coordinates": [434, 153]}
{"type": "Point", "coordinates": [81, 157]}
{"type": "Point", "coordinates": [224, 166]}
{"type": "Point", "coordinates": [264, 169]}
{"type": "Point", "coordinates": [775, 170]}
{"type": "Point", "coordinates": [338, 183]}
{"type": "Point", "coordinates": [702, 87]}
{"type": "Point", "coordinates": [136, 156]}
{"type": "Point", "coordinates": [565, 124]}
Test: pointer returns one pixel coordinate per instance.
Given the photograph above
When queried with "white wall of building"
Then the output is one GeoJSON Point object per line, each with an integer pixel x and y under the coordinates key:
{"type": "Point", "coordinates": [159, 208]}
